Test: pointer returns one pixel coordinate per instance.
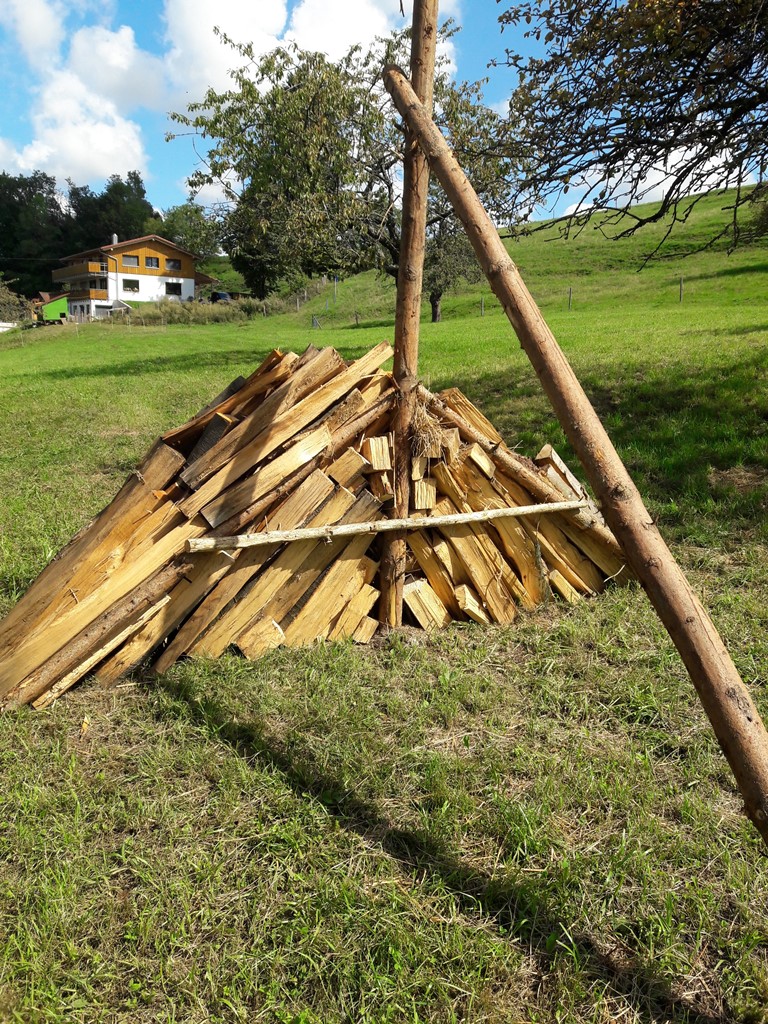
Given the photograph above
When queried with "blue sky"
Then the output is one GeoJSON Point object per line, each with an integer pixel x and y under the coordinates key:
{"type": "Point", "coordinates": [86, 85]}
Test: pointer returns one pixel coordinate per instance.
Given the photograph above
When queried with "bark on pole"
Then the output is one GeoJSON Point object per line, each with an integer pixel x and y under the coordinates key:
{"type": "Point", "coordinates": [408, 308]}
{"type": "Point", "coordinates": [734, 717]}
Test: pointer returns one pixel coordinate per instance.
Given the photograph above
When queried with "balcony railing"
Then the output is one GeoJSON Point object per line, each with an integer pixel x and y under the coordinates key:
{"type": "Point", "coordinates": [77, 270]}
{"type": "Point", "coordinates": [84, 294]}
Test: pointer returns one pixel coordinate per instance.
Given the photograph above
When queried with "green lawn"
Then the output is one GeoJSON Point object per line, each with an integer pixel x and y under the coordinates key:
{"type": "Point", "coordinates": [505, 824]}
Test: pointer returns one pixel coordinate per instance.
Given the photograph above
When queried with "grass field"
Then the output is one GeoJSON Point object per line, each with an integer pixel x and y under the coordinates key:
{"type": "Point", "coordinates": [515, 824]}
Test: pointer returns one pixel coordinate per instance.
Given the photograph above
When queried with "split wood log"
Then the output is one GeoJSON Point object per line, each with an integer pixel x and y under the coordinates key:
{"type": "Point", "coordinates": [280, 429]}
{"type": "Point", "coordinates": [185, 596]}
{"type": "Point", "coordinates": [357, 609]}
{"type": "Point", "coordinates": [471, 604]}
{"type": "Point", "coordinates": [424, 493]}
{"type": "Point", "coordinates": [419, 467]}
{"type": "Point", "coordinates": [134, 623]}
{"type": "Point", "coordinates": [457, 401]}
{"type": "Point", "coordinates": [376, 451]}
{"type": "Point", "coordinates": [308, 502]}
{"type": "Point", "coordinates": [346, 436]}
{"type": "Point", "coordinates": [484, 565]}
{"type": "Point", "coordinates": [534, 480]}
{"type": "Point", "coordinates": [217, 427]}
{"type": "Point", "coordinates": [274, 370]}
{"type": "Point", "coordinates": [349, 572]}
{"type": "Point", "coordinates": [437, 574]}
{"type": "Point", "coordinates": [94, 636]}
{"type": "Point", "coordinates": [549, 535]}
{"type": "Point", "coordinates": [156, 471]}
{"type": "Point", "coordinates": [348, 468]}
{"type": "Point", "coordinates": [266, 478]}
{"type": "Point", "coordinates": [251, 540]}
{"type": "Point", "coordinates": [408, 305]}
{"type": "Point", "coordinates": [302, 382]}
{"type": "Point", "coordinates": [727, 702]}
{"type": "Point", "coordinates": [274, 423]}
{"type": "Point", "coordinates": [275, 594]}
{"type": "Point", "coordinates": [40, 647]}
{"type": "Point", "coordinates": [513, 539]}
{"type": "Point", "coordinates": [366, 631]}
{"type": "Point", "coordinates": [559, 474]}
{"type": "Point", "coordinates": [425, 606]}
{"type": "Point", "coordinates": [564, 588]}
{"type": "Point", "coordinates": [208, 574]}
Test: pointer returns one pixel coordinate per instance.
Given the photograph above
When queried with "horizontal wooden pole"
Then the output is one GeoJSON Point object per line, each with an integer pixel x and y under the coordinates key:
{"type": "Point", "coordinates": [252, 540]}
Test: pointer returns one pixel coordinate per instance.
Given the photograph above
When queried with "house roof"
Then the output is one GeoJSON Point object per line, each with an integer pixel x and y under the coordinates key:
{"type": "Point", "coordinates": [127, 244]}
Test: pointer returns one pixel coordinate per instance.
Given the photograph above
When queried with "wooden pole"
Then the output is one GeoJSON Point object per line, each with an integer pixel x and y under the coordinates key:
{"type": "Point", "coordinates": [408, 308]}
{"type": "Point", "coordinates": [254, 540]}
{"type": "Point", "coordinates": [734, 717]}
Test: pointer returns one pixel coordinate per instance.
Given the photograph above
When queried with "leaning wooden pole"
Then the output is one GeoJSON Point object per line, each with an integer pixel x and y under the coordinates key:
{"type": "Point", "coordinates": [730, 708]}
{"type": "Point", "coordinates": [408, 308]}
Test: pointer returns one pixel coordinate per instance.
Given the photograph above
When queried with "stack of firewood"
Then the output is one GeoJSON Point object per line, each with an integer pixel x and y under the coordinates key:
{"type": "Point", "coordinates": [303, 442]}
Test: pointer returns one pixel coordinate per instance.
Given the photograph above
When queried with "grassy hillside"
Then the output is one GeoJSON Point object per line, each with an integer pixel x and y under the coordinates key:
{"type": "Point", "coordinates": [507, 824]}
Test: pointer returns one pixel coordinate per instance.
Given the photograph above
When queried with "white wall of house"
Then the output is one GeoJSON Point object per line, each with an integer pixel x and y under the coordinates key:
{"type": "Point", "coordinates": [151, 287]}
{"type": "Point", "coordinates": [134, 288]}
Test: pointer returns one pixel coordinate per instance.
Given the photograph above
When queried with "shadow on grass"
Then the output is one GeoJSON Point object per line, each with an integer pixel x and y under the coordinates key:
{"type": "Point", "coordinates": [388, 324]}
{"type": "Point", "coordinates": [518, 909]}
{"type": "Point", "coordinates": [749, 268]}
{"type": "Point", "coordinates": [726, 332]}
{"type": "Point", "coordinates": [181, 363]}
{"type": "Point", "coordinates": [240, 360]}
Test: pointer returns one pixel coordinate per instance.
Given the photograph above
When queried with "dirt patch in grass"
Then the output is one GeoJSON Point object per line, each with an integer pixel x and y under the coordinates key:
{"type": "Point", "coordinates": [742, 479]}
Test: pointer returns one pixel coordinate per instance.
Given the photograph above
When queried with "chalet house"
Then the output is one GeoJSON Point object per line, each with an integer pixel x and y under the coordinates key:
{"type": "Point", "coordinates": [145, 269]}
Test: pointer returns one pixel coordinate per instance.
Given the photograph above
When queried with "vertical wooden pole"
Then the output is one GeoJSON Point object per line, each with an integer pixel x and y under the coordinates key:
{"type": "Point", "coordinates": [731, 711]}
{"type": "Point", "coordinates": [408, 308]}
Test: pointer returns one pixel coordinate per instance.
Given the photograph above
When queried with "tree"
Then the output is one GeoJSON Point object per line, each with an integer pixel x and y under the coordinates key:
{"type": "Point", "coordinates": [12, 306]}
{"type": "Point", "coordinates": [188, 226]}
{"type": "Point", "coordinates": [32, 230]}
{"type": "Point", "coordinates": [631, 96]}
{"type": "Point", "coordinates": [308, 154]}
{"type": "Point", "coordinates": [121, 209]}
{"type": "Point", "coordinates": [448, 259]}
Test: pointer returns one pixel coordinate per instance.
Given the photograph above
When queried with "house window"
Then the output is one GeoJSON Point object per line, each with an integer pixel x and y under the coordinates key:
{"type": "Point", "coordinates": [173, 288]}
{"type": "Point", "coordinates": [130, 285]}
{"type": "Point", "coordinates": [172, 264]}
{"type": "Point", "coordinates": [130, 261]}
{"type": "Point", "coordinates": [153, 262]}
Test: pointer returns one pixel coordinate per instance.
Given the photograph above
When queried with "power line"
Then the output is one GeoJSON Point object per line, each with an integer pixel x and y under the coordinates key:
{"type": "Point", "coordinates": [29, 259]}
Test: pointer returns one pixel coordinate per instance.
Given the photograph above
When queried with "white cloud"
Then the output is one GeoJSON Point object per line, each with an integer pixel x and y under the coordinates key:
{"type": "Point", "coordinates": [81, 135]}
{"type": "Point", "coordinates": [197, 58]}
{"type": "Point", "coordinates": [37, 25]}
{"type": "Point", "coordinates": [333, 26]}
{"type": "Point", "coordinates": [129, 76]}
